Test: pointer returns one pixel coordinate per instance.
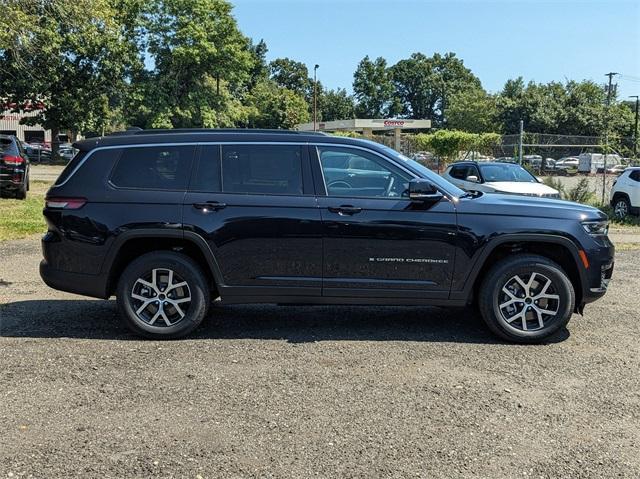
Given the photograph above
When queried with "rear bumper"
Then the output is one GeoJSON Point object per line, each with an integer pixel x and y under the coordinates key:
{"type": "Point", "coordinates": [83, 284]}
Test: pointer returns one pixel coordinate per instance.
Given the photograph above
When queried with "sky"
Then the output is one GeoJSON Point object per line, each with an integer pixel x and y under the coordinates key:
{"type": "Point", "coordinates": [497, 40]}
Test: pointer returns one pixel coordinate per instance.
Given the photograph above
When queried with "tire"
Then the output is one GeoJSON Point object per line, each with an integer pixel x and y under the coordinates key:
{"type": "Point", "coordinates": [621, 206]}
{"type": "Point", "coordinates": [543, 286]}
{"type": "Point", "coordinates": [139, 300]}
{"type": "Point", "coordinates": [21, 193]}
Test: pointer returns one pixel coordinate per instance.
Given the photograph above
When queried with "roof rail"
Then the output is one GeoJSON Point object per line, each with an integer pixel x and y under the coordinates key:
{"type": "Point", "coordinates": [175, 131]}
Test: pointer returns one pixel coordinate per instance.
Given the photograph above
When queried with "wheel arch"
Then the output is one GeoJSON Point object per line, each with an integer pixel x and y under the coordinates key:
{"type": "Point", "coordinates": [559, 249]}
{"type": "Point", "coordinates": [130, 245]}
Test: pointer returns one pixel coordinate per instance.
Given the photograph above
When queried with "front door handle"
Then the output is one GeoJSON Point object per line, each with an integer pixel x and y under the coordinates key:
{"type": "Point", "coordinates": [209, 206]}
{"type": "Point", "coordinates": [345, 210]}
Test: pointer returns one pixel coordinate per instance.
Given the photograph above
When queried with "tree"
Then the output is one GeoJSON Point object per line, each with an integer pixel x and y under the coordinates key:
{"type": "Point", "coordinates": [425, 84]}
{"type": "Point", "coordinates": [472, 110]}
{"type": "Point", "coordinates": [74, 58]}
{"type": "Point", "coordinates": [291, 75]}
{"type": "Point", "coordinates": [373, 89]}
{"type": "Point", "coordinates": [336, 105]}
{"type": "Point", "coordinates": [201, 62]}
{"type": "Point", "coordinates": [271, 106]}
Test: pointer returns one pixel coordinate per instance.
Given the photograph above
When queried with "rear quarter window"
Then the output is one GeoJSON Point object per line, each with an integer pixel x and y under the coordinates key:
{"type": "Point", "coordinates": [154, 167]}
{"type": "Point", "coordinates": [71, 167]}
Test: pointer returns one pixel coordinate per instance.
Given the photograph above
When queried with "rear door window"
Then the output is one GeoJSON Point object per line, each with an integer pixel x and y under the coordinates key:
{"type": "Point", "coordinates": [154, 167]}
{"type": "Point", "coordinates": [262, 169]}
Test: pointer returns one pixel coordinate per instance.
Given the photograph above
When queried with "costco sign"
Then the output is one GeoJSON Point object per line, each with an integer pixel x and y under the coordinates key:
{"type": "Point", "coordinates": [394, 123]}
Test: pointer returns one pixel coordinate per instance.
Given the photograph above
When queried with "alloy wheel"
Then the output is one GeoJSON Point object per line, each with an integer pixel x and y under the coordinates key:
{"type": "Point", "coordinates": [528, 302]}
{"type": "Point", "coordinates": [620, 209]}
{"type": "Point", "coordinates": [161, 298]}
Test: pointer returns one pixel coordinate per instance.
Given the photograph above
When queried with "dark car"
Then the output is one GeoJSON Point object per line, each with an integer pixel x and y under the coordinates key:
{"type": "Point", "coordinates": [168, 221]}
{"type": "Point", "coordinates": [14, 168]}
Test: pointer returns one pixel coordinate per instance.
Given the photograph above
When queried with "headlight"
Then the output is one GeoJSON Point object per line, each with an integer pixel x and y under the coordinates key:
{"type": "Point", "coordinates": [596, 228]}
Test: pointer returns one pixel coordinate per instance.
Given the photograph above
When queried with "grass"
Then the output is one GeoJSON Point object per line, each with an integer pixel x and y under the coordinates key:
{"type": "Point", "coordinates": [22, 218]}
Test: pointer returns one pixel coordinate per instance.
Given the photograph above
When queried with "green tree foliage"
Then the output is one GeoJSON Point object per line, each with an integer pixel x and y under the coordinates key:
{"type": "Point", "coordinates": [448, 144]}
{"type": "Point", "coordinates": [472, 110]}
{"type": "Point", "coordinates": [425, 85]}
{"type": "Point", "coordinates": [290, 74]}
{"type": "Point", "coordinates": [373, 89]}
{"type": "Point", "coordinates": [336, 105]}
{"type": "Point", "coordinates": [271, 106]}
{"type": "Point", "coordinates": [201, 59]}
{"type": "Point", "coordinates": [77, 65]}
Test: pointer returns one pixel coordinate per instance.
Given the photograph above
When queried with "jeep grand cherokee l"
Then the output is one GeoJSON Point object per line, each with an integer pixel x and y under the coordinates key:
{"type": "Point", "coordinates": [168, 221]}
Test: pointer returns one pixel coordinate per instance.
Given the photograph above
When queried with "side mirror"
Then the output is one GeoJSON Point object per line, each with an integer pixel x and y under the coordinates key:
{"type": "Point", "coordinates": [423, 190]}
{"type": "Point", "coordinates": [472, 178]}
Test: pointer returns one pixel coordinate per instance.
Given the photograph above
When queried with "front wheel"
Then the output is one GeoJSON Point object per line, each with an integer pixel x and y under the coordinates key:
{"type": "Point", "coordinates": [526, 299]}
{"type": "Point", "coordinates": [163, 295]}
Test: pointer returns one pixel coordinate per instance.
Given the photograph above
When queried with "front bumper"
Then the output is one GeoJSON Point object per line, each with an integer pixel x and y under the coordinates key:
{"type": "Point", "coordinates": [598, 274]}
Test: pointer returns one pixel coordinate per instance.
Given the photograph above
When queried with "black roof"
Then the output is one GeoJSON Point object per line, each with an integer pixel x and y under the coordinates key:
{"type": "Point", "coordinates": [133, 137]}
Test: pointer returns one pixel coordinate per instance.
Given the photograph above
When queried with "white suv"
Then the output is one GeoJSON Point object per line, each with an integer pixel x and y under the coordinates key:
{"type": "Point", "coordinates": [625, 193]}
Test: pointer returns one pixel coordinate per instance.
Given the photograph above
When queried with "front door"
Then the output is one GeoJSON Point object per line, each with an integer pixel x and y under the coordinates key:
{"type": "Point", "coordinates": [377, 242]}
{"type": "Point", "coordinates": [255, 206]}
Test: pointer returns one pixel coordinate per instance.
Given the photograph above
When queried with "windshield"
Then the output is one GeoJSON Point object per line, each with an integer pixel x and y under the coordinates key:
{"type": "Point", "coordinates": [423, 171]}
{"type": "Point", "coordinates": [506, 172]}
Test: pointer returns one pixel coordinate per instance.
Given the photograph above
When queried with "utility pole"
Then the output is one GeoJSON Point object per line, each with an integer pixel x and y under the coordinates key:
{"type": "Point", "coordinates": [315, 97]}
{"type": "Point", "coordinates": [520, 141]}
{"type": "Point", "coordinates": [606, 134]}
{"type": "Point", "coordinates": [635, 131]}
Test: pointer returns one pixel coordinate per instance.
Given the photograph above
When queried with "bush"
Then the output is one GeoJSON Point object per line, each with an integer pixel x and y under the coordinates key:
{"type": "Point", "coordinates": [580, 193]}
{"type": "Point", "coordinates": [551, 182]}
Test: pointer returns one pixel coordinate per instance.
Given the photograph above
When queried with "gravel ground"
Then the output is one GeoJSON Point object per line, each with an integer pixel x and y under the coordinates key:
{"type": "Point", "coordinates": [266, 391]}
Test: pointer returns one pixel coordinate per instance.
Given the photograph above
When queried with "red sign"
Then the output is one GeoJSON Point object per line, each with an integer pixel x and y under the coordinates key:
{"type": "Point", "coordinates": [396, 123]}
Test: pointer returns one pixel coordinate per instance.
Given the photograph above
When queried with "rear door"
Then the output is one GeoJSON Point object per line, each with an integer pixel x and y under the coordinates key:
{"type": "Point", "coordinates": [255, 206]}
{"type": "Point", "coordinates": [377, 242]}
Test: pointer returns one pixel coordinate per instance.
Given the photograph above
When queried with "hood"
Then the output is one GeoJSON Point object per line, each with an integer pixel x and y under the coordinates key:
{"type": "Point", "coordinates": [522, 188]}
{"type": "Point", "coordinates": [515, 205]}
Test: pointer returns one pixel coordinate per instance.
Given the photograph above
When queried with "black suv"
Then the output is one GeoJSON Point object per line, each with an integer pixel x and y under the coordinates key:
{"type": "Point", "coordinates": [14, 168]}
{"type": "Point", "coordinates": [169, 220]}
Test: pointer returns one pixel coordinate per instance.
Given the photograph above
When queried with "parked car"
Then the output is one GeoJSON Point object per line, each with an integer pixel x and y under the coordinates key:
{"type": "Point", "coordinates": [37, 152]}
{"type": "Point", "coordinates": [167, 220]}
{"type": "Point", "coordinates": [616, 169]}
{"type": "Point", "coordinates": [625, 193]}
{"type": "Point", "coordinates": [14, 168]}
{"type": "Point", "coordinates": [66, 152]}
{"type": "Point", "coordinates": [567, 164]}
{"type": "Point", "coordinates": [497, 177]}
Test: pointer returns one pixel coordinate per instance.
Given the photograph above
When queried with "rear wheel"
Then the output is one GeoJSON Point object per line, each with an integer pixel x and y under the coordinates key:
{"type": "Point", "coordinates": [526, 299]}
{"type": "Point", "coordinates": [163, 295]}
{"type": "Point", "coordinates": [21, 193]}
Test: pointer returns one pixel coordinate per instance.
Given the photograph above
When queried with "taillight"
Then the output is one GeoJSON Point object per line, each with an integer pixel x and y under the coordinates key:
{"type": "Point", "coordinates": [65, 203]}
{"type": "Point", "coordinates": [13, 160]}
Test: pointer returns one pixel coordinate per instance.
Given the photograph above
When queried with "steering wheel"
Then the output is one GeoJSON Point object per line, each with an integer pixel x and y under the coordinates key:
{"type": "Point", "coordinates": [339, 184]}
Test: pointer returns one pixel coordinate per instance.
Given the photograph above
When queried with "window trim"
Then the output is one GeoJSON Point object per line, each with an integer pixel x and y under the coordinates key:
{"type": "Point", "coordinates": [308, 188]}
{"type": "Point", "coordinates": [325, 191]}
{"type": "Point", "coordinates": [137, 188]}
{"type": "Point", "coordinates": [311, 145]}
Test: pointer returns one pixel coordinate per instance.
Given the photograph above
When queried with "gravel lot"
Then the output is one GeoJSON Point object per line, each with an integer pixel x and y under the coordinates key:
{"type": "Point", "coordinates": [266, 391]}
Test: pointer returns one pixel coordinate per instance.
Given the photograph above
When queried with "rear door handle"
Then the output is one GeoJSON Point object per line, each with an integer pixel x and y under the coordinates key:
{"type": "Point", "coordinates": [345, 210]}
{"type": "Point", "coordinates": [209, 206]}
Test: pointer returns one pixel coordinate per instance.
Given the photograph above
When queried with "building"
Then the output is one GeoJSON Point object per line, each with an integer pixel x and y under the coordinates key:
{"type": "Point", "coordinates": [368, 126]}
{"type": "Point", "coordinates": [10, 125]}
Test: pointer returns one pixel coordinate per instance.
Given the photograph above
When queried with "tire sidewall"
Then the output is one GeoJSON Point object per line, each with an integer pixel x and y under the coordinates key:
{"type": "Point", "coordinates": [185, 268]}
{"type": "Point", "coordinates": [563, 288]}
